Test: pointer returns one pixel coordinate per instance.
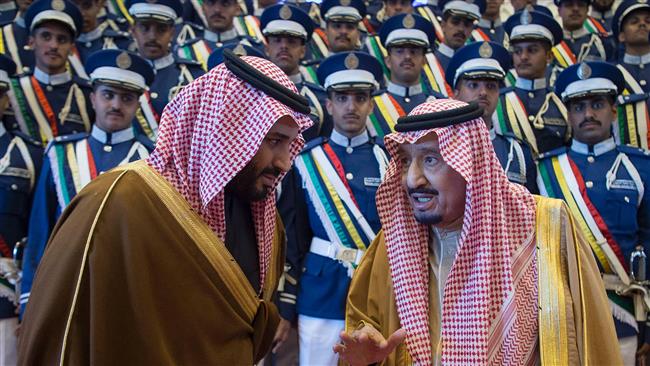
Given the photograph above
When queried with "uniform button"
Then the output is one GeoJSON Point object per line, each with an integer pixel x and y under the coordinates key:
{"type": "Point", "coordinates": [349, 176]}
{"type": "Point", "coordinates": [154, 95]}
{"type": "Point", "coordinates": [108, 148]}
{"type": "Point", "coordinates": [49, 88]}
{"type": "Point", "coordinates": [531, 95]}
{"type": "Point", "coordinates": [14, 187]}
{"type": "Point", "coordinates": [26, 68]}
{"type": "Point", "coordinates": [349, 149]}
{"type": "Point", "coordinates": [589, 184]}
{"type": "Point", "coordinates": [641, 66]}
{"type": "Point", "coordinates": [531, 118]}
{"type": "Point", "coordinates": [591, 159]}
{"type": "Point", "coordinates": [642, 82]}
{"type": "Point", "coordinates": [407, 99]}
{"type": "Point", "coordinates": [627, 199]}
{"type": "Point", "coordinates": [492, 31]}
{"type": "Point", "coordinates": [88, 44]}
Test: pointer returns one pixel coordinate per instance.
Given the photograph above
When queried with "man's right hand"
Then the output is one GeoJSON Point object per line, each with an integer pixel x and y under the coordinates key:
{"type": "Point", "coordinates": [366, 345]}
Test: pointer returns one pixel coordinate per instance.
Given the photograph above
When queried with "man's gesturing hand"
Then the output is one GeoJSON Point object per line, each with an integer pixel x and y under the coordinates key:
{"type": "Point", "coordinates": [366, 345]}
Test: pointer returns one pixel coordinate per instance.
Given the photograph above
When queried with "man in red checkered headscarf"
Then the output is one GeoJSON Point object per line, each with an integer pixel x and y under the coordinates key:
{"type": "Point", "coordinates": [480, 272]}
{"type": "Point", "coordinates": [174, 260]}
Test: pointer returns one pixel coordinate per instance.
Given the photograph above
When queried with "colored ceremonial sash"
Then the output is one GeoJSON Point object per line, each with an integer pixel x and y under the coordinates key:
{"type": "Point", "coordinates": [120, 9]}
{"type": "Point", "coordinates": [563, 55]}
{"type": "Point", "coordinates": [428, 14]}
{"type": "Point", "coordinates": [309, 74]}
{"type": "Point", "coordinates": [633, 118]}
{"type": "Point", "coordinates": [8, 33]}
{"type": "Point", "coordinates": [367, 27]}
{"type": "Point", "coordinates": [248, 26]}
{"type": "Point", "coordinates": [322, 173]}
{"type": "Point", "coordinates": [198, 8]}
{"type": "Point", "coordinates": [595, 27]}
{"type": "Point", "coordinates": [23, 118]}
{"type": "Point", "coordinates": [563, 171]}
{"type": "Point", "coordinates": [40, 108]}
{"type": "Point", "coordinates": [435, 75]}
{"type": "Point", "coordinates": [201, 53]}
{"type": "Point", "coordinates": [147, 117]}
{"type": "Point", "coordinates": [390, 111]}
{"type": "Point", "coordinates": [314, 103]}
{"type": "Point", "coordinates": [511, 78]}
{"type": "Point", "coordinates": [319, 44]}
{"type": "Point", "coordinates": [478, 36]}
{"type": "Point", "coordinates": [377, 51]}
{"type": "Point", "coordinates": [513, 117]}
{"type": "Point", "coordinates": [76, 64]}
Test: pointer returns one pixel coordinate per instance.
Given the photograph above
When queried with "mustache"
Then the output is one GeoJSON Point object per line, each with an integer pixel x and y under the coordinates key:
{"type": "Point", "coordinates": [407, 63]}
{"type": "Point", "coordinates": [423, 191]}
{"type": "Point", "coordinates": [217, 16]}
{"type": "Point", "coordinates": [343, 38]}
{"type": "Point", "coordinates": [590, 120]}
{"type": "Point", "coordinates": [152, 44]}
{"type": "Point", "coordinates": [271, 171]}
{"type": "Point", "coordinates": [115, 111]}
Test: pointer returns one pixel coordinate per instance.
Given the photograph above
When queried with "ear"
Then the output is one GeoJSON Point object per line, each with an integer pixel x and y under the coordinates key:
{"type": "Point", "coordinates": [303, 50]}
{"type": "Point", "coordinates": [387, 61]}
{"type": "Point", "coordinates": [92, 98]}
{"type": "Point", "coordinates": [329, 105]}
{"type": "Point", "coordinates": [621, 37]}
{"type": "Point", "coordinates": [30, 42]}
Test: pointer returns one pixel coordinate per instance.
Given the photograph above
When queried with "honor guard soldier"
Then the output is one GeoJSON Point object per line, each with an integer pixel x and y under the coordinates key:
{"type": "Point", "coordinates": [490, 23]}
{"type": "Point", "coordinates": [414, 75]}
{"type": "Point", "coordinates": [223, 27]}
{"type": "Point", "coordinates": [432, 12]}
{"type": "Point", "coordinates": [288, 31]}
{"type": "Point", "coordinates": [631, 26]}
{"type": "Point", "coordinates": [20, 162]}
{"type": "Point", "coordinates": [8, 11]}
{"type": "Point", "coordinates": [586, 37]}
{"type": "Point", "coordinates": [328, 207]}
{"type": "Point", "coordinates": [604, 186]}
{"type": "Point", "coordinates": [344, 20]}
{"type": "Point", "coordinates": [51, 101]}
{"type": "Point", "coordinates": [531, 110]}
{"type": "Point", "coordinates": [390, 8]}
{"type": "Point", "coordinates": [98, 33]}
{"type": "Point", "coordinates": [15, 39]}
{"type": "Point", "coordinates": [603, 11]}
{"type": "Point", "coordinates": [476, 73]}
{"type": "Point", "coordinates": [216, 58]}
{"type": "Point", "coordinates": [458, 23]}
{"type": "Point", "coordinates": [153, 30]}
{"type": "Point", "coordinates": [71, 162]}
{"type": "Point", "coordinates": [195, 21]}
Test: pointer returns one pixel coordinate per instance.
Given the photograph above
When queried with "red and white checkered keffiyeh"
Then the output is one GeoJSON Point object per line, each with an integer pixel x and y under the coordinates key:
{"type": "Point", "coordinates": [210, 131]}
{"type": "Point", "coordinates": [489, 310]}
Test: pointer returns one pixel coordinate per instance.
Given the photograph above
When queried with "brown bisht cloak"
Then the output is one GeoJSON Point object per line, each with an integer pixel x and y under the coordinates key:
{"type": "Point", "coordinates": [575, 321]}
{"type": "Point", "coordinates": [132, 275]}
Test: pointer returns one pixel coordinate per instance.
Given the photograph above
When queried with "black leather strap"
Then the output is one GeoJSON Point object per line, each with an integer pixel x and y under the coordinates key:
{"type": "Point", "coordinates": [439, 119]}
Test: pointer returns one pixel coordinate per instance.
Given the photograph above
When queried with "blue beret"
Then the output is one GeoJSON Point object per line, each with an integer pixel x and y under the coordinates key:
{"type": "Point", "coordinates": [62, 11]}
{"type": "Point", "coordinates": [121, 68]}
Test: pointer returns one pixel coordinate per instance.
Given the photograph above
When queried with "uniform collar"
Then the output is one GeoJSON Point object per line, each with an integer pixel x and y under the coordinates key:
{"type": "Point", "coordinates": [90, 36]}
{"type": "Point", "coordinates": [528, 84]}
{"type": "Point", "coordinates": [211, 36]}
{"type": "Point", "coordinates": [636, 60]}
{"type": "Point", "coordinates": [8, 6]}
{"type": "Point", "coordinates": [433, 3]}
{"type": "Point", "coordinates": [296, 78]}
{"type": "Point", "coordinates": [602, 16]}
{"type": "Point", "coordinates": [112, 138]}
{"type": "Point", "coordinates": [48, 79]}
{"type": "Point", "coordinates": [403, 91]}
{"type": "Point", "coordinates": [581, 32]}
{"type": "Point", "coordinates": [596, 150]}
{"type": "Point", "coordinates": [341, 140]}
{"type": "Point", "coordinates": [446, 50]}
{"type": "Point", "coordinates": [493, 134]}
{"type": "Point", "coordinates": [20, 21]}
{"type": "Point", "coordinates": [161, 63]}
{"type": "Point", "coordinates": [489, 24]}
{"type": "Point", "coordinates": [3, 131]}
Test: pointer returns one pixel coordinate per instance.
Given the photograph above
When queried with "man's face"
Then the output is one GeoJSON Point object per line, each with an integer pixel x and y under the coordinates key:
{"type": "Point", "coordinates": [456, 30]}
{"type": "Point", "coordinates": [286, 52]}
{"type": "Point", "coordinates": [519, 5]}
{"type": "Point", "coordinates": [23, 5]}
{"type": "Point", "coordinates": [114, 107]}
{"type": "Point", "coordinates": [635, 29]}
{"type": "Point", "coordinates": [405, 64]}
{"type": "Point", "coordinates": [435, 190]}
{"type": "Point", "coordinates": [342, 36]}
{"type": "Point", "coordinates": [602, 5]}
{"type": "Point", "coordinates": [483, 91]}
{"type": "Point", "coordinates": [152, 38]}
{"type": "Point", "coordinates": [493, 8]}
{"type": "Point", "coordinates": [573, 14]}
{"type": "Point", "coordinates": [52, 43]}
{"type": "Point", "coordinates": [257, 179]}
{"type": "Point", "coordinates": [531, 58]}
{"type": "Point", "coordinates": [220, 14]}
{"type": "Point", "coordinates": [89, 11]}
{"type": "Point", "coordinates": [395, 7]}
{"type": "Point", "coordinates": [349, 110]}
{"type": "Point", "coordinates": [591, 118]}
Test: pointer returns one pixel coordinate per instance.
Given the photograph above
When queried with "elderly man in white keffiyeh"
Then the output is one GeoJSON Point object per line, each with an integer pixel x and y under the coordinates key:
{"type": "Point", "coordinates": [174, 260]}
{"type": "Point", "coordinates": [471, 269]}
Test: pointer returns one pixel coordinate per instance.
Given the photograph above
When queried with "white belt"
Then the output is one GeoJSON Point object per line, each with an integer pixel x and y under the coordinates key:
{"type": "Point", "coordinates": [335, 251]}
